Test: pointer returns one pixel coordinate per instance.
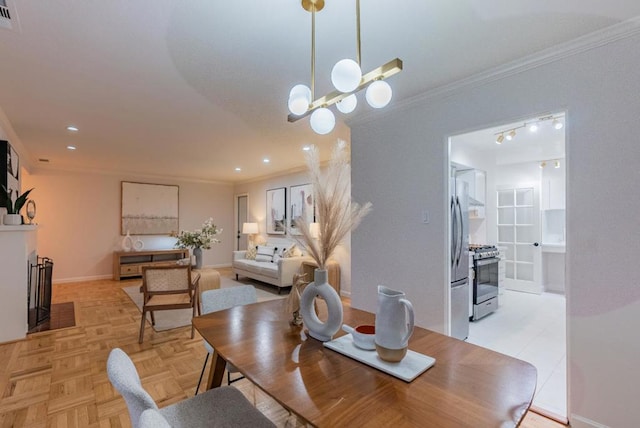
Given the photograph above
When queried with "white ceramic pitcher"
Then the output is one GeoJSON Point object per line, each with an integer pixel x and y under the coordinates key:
{"type": "Point", "coordinates": [392, 329]}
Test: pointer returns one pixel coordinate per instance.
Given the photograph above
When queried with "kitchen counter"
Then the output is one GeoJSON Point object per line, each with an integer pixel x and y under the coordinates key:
{"type": "Point", "coordinates": [556, 247]}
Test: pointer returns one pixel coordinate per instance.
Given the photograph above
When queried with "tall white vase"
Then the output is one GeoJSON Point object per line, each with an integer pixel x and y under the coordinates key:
{"type": "Point", "coordinates": [322, 331]}
{"type": "Point", "coordinates": [127, 242]}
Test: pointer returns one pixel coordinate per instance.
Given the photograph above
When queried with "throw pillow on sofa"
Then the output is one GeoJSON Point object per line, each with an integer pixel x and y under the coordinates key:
{"type": "Point", "coordinates": [265, 253]}
{"type": "Point", "coordinates": [251, 253]}
{"type": "Point", "coordinates": [291, 251]}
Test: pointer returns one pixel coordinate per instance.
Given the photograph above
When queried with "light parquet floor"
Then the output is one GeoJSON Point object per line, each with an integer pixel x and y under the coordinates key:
{"type": "Point", "coordinates": [58, 378]}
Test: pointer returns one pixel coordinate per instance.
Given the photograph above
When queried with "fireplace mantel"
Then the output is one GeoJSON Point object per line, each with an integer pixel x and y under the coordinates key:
{"type": "Point", "coordinates": [18, 249]}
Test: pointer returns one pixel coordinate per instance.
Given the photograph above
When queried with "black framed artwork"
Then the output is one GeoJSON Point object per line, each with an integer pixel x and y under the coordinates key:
{"type": "Point", "coordinates": [9, 169]}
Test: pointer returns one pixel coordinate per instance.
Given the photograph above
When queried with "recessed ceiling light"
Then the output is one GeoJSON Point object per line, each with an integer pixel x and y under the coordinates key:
{"type": "Point", "coordinates": [72, 128]}
{"type": "Point", "coordinates": [266, 160]}
{"type": "Point", "coordinates": [533, 127]}
{"type": "Point", "coordinates": [306, 148]}
{"type": "Point", "coordinates": [557, 124]}
{"type": "Point", "coordinates": [71, 147]}
{"type": "Point", "coordinates": [238, 169]}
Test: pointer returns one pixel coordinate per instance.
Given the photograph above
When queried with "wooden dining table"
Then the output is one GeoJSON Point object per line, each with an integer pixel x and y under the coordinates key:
{"type": "Point", "coordinates": [468, 386]}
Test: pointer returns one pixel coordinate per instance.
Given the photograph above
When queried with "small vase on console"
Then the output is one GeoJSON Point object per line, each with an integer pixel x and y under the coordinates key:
{"type": "Point", "coordinates": [322, 331]}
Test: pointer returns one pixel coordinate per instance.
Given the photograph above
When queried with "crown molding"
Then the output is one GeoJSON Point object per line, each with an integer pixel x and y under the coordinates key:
{"type": "Point", "coordinates": [596, 39]}
{"type": "Point", "coordinates": [39, 169]}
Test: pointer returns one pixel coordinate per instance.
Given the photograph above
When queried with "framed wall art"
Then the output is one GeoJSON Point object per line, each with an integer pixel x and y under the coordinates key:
{"type": "Point", "coordinates": [301, 206]}
{"type": "Point", "coordinates": [277, 211]}
{"type": "Point", "coordinates": [149, 209]}
{"type": "Point", "coordinates": [9, 169]}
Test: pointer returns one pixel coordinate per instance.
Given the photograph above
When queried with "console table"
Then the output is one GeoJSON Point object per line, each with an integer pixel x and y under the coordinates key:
{"type": "Point", "coordinates": [128, 264]}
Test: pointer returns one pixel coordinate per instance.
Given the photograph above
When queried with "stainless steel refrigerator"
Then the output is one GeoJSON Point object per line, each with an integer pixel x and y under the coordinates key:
{"type": "Point", "coordinates": [459, 205]}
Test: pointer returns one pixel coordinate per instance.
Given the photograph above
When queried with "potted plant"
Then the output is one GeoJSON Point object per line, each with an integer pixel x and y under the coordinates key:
{"type": "Point", "coordinates": [13, 216]}
{"type": "Point", "coordinates": [198, 239]}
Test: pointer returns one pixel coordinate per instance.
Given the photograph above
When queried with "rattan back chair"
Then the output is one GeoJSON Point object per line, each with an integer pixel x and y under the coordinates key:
{"type": "Point", "coordinates": [167, 288]}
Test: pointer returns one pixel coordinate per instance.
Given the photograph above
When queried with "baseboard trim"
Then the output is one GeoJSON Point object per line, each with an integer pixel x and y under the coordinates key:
{"type": "Point", "coordinates": [582, 422]}
{"type": "Point", "coordinates": [109, 276]}
{"type": "Point", "coordinates": [549, 415]}
{"type": "Point", "coordinates": [81, 279]}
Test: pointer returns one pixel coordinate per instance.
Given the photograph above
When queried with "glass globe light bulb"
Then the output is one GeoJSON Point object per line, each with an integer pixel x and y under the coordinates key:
{"type": "Point", "coordinates": [299, 99]}
{"type": "Point", "coordinates": [322, 121]}
{"type": "Point", "coordinates": [348, 104]}
{"type": "Point", "coordinates": [346, 75]}
{"type": "Point", "coordinates": [378, 94]}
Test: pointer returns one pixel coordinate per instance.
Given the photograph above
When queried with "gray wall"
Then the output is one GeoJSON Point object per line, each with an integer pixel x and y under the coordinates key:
{"type": "Point", "coordinates": [399, 164]}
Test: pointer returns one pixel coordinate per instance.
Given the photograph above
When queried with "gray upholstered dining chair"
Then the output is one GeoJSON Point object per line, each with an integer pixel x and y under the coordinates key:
{"type": "Point", "coordinates": [218, 407]}
{"type": "Point", "coordinates": [219, 300]}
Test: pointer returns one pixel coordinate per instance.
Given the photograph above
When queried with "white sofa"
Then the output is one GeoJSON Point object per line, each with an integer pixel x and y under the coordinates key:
{"type": "Point", "coordinates": [278, 273]}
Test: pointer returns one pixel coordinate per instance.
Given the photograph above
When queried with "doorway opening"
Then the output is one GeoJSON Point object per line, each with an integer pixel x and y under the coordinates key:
{"type": "Point", "coordinates": [515, 176]}
{"type": "Point", "coordinates": [242, 213]}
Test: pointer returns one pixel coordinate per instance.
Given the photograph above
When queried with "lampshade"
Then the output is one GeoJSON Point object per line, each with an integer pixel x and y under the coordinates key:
{"type": "Point", "coordinates": [348, 104]}
{"type": "Point", "coordinates": [314, 230]}
{"type": "Point", "coordinates": [346, 75]}
{"type": "Point", "coordinates": [322, 121]}
{"type": "Point", "coordinates": [299, 99]}
{"type": "Point", "coordinates": [378, 94]}
{"type": "Point", "coordinates": [250, 228]}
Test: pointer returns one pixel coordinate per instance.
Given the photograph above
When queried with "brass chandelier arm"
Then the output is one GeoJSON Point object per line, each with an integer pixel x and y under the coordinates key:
{"type": "Point", "coordinates": [384, 71]}
{"type": "Point", "coordinates": [313, 51]}
{"type": "Point", "coordinates": [358, 54]}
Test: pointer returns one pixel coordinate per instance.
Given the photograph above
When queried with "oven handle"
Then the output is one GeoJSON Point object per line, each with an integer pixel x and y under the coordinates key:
{"type": "Point", "coordinates": [488, 261]}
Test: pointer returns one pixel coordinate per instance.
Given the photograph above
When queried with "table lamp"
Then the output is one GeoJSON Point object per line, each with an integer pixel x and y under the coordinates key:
{"type": "Point", "coordinates": [250, 229]}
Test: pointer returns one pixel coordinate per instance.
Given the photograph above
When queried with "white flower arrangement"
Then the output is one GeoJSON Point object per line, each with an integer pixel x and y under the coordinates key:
{"type": "Point", "coordinates": [199, 238]}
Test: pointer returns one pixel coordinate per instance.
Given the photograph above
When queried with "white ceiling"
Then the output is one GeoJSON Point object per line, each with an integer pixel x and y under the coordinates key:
{"type": "Point", "coordinates": [195, 88]}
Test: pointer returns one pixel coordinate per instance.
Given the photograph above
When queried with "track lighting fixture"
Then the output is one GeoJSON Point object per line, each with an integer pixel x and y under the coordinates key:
{"type": "Point", "coordinates": [556, 163]}
{"type": "Point", "coordinates": [510, 133]}
{"type": "Point", "coordinates": [557, 124]}
{"type": "Point", "coordinates": [347, 78]}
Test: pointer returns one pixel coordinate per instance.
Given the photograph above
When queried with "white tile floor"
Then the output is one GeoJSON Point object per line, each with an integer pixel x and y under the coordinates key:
{"type": "Point", "coordinates": [532, 328]}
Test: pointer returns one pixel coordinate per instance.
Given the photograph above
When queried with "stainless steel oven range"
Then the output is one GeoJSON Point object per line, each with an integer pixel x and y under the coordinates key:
{"type": "Point", "coordinates": [485, 281]}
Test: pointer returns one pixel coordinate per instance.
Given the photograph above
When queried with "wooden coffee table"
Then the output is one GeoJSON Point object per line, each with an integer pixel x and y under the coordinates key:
{"type": "Point", "coordinates": [467, 386]}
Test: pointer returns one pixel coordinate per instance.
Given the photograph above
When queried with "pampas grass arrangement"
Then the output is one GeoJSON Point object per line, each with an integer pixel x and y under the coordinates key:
{"type": "Point", "coordinates": [336, 213]}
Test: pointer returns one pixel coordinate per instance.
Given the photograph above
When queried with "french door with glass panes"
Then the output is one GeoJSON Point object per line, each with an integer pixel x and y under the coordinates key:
{"type": "Point", "coordinates": [519, 232]}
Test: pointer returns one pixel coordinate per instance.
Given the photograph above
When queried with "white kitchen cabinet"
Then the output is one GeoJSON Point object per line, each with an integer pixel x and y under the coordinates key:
{"type": "Point", "coordinates": [476, 179]}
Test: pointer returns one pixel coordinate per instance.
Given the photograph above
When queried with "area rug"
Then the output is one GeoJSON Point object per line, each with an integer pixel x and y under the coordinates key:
{"type": "Point", "coordinates": [166, 320]}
